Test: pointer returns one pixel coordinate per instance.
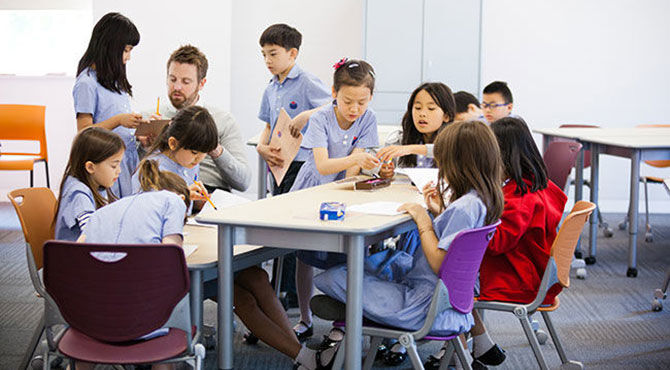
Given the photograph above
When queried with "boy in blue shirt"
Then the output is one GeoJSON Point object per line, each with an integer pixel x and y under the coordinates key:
{"type": "Point", "coordinates": [291, 88]}
{"type": "Point", "coordinates": [497, 101]}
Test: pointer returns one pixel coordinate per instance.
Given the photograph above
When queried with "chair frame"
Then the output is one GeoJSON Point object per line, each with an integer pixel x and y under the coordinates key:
{"type": "Point", "coordinates": [557, 271]}
{"type": "Point", "coordinates": [440, 301]}
{"type": "Point", "coordinates": [13, 131]}
{"type": "Point", "coordinates": [180, 317]}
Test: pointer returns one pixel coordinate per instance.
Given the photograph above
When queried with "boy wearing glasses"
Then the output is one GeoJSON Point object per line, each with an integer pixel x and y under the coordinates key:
{"type": "Point", "coordinates": [497, 101]}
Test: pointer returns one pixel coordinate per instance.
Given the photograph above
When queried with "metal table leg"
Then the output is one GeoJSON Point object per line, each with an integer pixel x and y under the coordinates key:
{"type": "Point", "coordinates": [225, 303]}
{"type": "Point", "coordinates": [354, 315]}
{"type": "Point", "coordinates": [593, 221]}
{"type": "Point", "coordinates": [262, 178]}
{"type": "Point", "coordinates": [633, 213]}
{"type": "Point", "coordinates": [196, 298]}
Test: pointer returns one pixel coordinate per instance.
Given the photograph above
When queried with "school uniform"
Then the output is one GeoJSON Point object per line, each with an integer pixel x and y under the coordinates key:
{"type": "Point", "coordinates": [517, 255]}
{"type": "Point", "coordinates": [165, 163]}
{"type": "Point", "coordinates": [404, 303]}
{"type": "Point", "coordinates": [142, 218]}
{"type": "Point", "coordinates": [300, 91]}
{"type": "Point", "coordinates": [74, 209]}
{"type": "Point", "coordinates": [92, 98]}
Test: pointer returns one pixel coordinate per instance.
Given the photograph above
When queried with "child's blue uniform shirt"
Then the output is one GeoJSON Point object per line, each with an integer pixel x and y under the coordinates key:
{"type": "Point", "coordinates": [325, 132]}
{"type": "Point", "coordinates": [76, 201]}
{"type": "Point", "coordinates": [167, 164]}
{"type": "Point", "coordinates": [92, 98]}
{"type": "Point", "coordinates": [299, 92]}
{"type": "Point", "coordinates": [137, 219]}
{"type": "Point", "coordinates": [405, 304]}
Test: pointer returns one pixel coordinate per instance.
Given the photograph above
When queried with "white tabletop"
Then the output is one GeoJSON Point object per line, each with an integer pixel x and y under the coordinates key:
{"type": "Point", "coordinates": [299, 210]}
{"type": "Point", "coordinates": [637, 137]}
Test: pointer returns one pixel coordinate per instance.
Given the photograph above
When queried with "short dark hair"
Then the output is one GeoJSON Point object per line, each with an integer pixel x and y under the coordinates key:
{"type": "Point", "coordinates": [501, 88]}
{"type": "Point", "coordinates": [194, 129]}
{"type": "Point", "coordinates": [189, 54]}
{"type": "Point", "coordinates": [283, 35]}
{"type": "Point", "coordinates": [354, 72]}
{"type": "Point", "coordinates": [463, 100]}
{"type": "Point", "coordinates": [520, 156]}
{"type": "Point", "coordinates": [105, 50]}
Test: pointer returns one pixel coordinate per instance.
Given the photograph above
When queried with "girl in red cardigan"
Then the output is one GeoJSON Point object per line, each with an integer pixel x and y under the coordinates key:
{"type": "Point", "coordinates": [517, 255]}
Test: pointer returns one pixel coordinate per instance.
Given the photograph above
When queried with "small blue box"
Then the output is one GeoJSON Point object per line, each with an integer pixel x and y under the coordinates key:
{"type": "Point", "coordinates": [332, 211]}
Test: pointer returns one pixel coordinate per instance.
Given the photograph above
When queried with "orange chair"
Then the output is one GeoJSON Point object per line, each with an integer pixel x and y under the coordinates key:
{"type": "Point", "coordinates": [663, 163]}
{"type": "Point", "coordinates": [23, 122]}
{"type": "Point", "coordinates": [556, 272]}
{"type": "Point", "coordinates": [36, 209]}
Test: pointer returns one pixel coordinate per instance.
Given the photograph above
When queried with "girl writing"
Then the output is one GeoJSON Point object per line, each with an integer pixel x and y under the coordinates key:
{"type": "Point", "coordinates": [93, 168]}
{"type": "Point", "coordinates": [182, 146]}
{"type": "Point", "coordinates": [469, 165]}
{"type": "Point", "coordinates": [337, 137]}
{"type": "Point", "coordinates": [102, 92]}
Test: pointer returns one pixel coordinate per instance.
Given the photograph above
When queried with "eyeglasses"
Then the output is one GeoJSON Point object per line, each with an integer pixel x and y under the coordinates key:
{"type": "Point", "coordinates": [493, 105]}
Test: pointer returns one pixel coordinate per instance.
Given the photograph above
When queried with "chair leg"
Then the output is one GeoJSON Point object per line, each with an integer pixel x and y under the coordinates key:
{"type": "Point", "coordinates": [277, 267]}
{"type": "Point", "coordinates": [32, 345]}
{"type": "Point", "coordinates": [31, 178]}
{"type": "Point", "coordinates": [448, 354]}
{"type": "Point", "coordinates": [414, 356]}
{"type": "Point", "coordinates": [534, 344]}
{"type": "Point", "coordinates": [648, 236]}
{"type": "Point", "coordinates": [338, 363]}
{"type": "Point", "coordinates": [46, 170]}
{"type": "Point", "coordinates": [460, 351]}
{"type": "Point", "coordinates": [565, 362]}
{"type": "Point", "coordinates": [372, 353]}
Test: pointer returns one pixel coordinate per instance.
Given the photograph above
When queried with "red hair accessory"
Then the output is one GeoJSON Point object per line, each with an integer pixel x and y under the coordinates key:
{"type": "Point", "coordinates": [340, 63]}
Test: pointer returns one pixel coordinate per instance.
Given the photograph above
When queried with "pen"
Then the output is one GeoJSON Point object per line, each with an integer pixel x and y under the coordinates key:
{"type": "Point", "coordinates": [158, 105]}
{"type": "Point", "coordinates": [205, 193]}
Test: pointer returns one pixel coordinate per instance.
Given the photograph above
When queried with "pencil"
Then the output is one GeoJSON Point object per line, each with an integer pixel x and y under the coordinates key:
{"type": "Point", "coordinates": [207, 197]}
{"type": "Point", "coordinates": [158, 106]}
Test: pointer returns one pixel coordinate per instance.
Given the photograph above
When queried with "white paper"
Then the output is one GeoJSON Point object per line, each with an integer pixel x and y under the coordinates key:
{"type": "Point", "coordinates": [420, 176]}
{"type": "Point", "coordinates": [221, 199]}
{"type": "Point", "coordinates": [189, 249]}
{"type": "Point", "coordinates": [377, 208]}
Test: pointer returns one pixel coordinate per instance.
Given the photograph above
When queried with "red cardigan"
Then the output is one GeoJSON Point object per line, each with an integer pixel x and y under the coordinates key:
{"type": "Point", "coordinates": [517, 255]}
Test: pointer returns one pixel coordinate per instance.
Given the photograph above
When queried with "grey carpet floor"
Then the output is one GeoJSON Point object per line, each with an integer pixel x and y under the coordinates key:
{"type": "Point", "coordinates": [604, 321]}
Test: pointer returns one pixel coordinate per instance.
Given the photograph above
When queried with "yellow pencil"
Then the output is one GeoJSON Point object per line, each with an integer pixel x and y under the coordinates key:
{"type": "Point", "coordinates": [207, 197]}
{"type": "Point", "coordinates": [158, 105]}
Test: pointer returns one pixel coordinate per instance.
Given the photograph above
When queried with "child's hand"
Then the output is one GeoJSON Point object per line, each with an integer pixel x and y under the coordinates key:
{"type": "Point", "coordinates": [197, 191]}
{"type": "Point", "coordinates": [146, 141]}
{"type": "Point", "coordinates": [418, 213]}
{"type": "Point", "coordinates": [130, 120]}
{"type": "Point", "coordinates": [387, 170]}
{"type": "Point", "coordinates": [432, 198]}
{"type": "Point", "coordinates": [271, 155]}
{"type": "Point", "coordinates": [390, 152]}
{"type": "Point", "coordinates": [365, 160]}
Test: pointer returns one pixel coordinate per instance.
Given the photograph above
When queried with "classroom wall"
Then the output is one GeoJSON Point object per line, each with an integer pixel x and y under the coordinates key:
{"type": "Point", "coordinates": [599, 62]}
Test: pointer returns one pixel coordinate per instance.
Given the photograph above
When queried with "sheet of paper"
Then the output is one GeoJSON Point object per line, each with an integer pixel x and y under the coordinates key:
{"type": "Point", "coordinates": [377, 208]}
{"type": "Point", "coordinates": [221, 199]}
{"type": "Point", "coordinates": [420, 176]}
{"type": "Point", "coordinates": [189, 249]}
{"type": "Point", "coordinates": [282, 138]}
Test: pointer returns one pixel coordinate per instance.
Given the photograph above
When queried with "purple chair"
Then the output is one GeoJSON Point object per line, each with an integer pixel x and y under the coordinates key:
{"type": "Point", "coordinates": [455, 289]}
{"type": "Point", "coordinates": [111, 295]}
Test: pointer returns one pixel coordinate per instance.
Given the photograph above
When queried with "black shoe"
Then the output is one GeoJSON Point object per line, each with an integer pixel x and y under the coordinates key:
{"type": "Point", "coordinates": [478, 365]}
{"type": "Point", "coordinates": [327, 342]}
{"type": "Point", "coordinates": [433, 363]}
{"type": "Point", "coordinates": [302, 336]}
{"type": "Point", "coordinates": [250, 338]}
{"type": "Point", "coordinates": [394, 358]}
{"type": "Point", "coordinates": [494, 356]}
{"type": "Point", "coordinates": [381, 352]}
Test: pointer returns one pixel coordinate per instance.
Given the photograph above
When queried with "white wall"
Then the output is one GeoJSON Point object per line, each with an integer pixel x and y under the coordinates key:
{"type": "Point", "coordinates": [599, 62]}
{"type": "Point", "coordinates": [330, 30]}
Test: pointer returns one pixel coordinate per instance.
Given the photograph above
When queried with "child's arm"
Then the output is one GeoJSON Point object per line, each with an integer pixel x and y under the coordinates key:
{"type": "Point", "coordinates": [300, 121]}
{"type": "Point", "coordinates": [429, 241]}
{"type": "Point", "coordinates": [270, 154]}
{"type": "Point", "coordinates": [173, 239]}
{"type": "Point", "coordinates": [130, 120]}
{"type": "Point", "coordinates": [387, 153]}
{"type": "Point", "coordinates": [328, 166]}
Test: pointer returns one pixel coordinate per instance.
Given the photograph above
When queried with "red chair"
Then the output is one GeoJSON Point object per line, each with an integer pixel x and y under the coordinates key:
{"type": "Point", "coordinates": [116, 294]}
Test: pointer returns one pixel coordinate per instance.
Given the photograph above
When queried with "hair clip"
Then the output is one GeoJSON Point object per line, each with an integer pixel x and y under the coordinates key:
{"type": "Point", "coordinates": [340, 63]}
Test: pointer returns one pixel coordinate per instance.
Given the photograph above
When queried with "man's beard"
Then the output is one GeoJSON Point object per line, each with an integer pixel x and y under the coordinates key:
{"type": "Point", "coordinates": [188, 101]}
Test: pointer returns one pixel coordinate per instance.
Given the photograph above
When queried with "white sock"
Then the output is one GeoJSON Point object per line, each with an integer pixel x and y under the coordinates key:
{"type": "Point", "coordinates": [336, 334]}
{"type": "Point", "coordinates": [481, 344]}
{"type": "Point", "coordinates": [399, 348]}
{"type": "Point", "coordinates": [300, 327]}
{"type": "Point", "coordinates": [306, 357]}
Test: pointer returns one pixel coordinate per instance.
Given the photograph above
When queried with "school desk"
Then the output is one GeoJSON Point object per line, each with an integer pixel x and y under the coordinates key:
{"type": "Point", "coordinates": [291, 221]}
{"type": "Point", "coordinates": [204, 259]}
{"type": "Point", "coordinates": [638, 144]}
{"type": "Point", "coordinates": [382, 130]}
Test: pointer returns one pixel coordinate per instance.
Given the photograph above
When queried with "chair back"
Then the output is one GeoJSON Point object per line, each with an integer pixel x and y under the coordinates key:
{"type": "Point", "coordinates": [566, 240]}
{"type": "Point", "coordinates": [36, 209]}
{"type": "Point", "coordinates": [559, 158]}
{"type": "Point", "coordinates": [460, 266]}
{"type": "Point", "coordinates": [661, 163]}
{"type": "Point", "coordinates": [587, 153]}
{"type": "Point", "coordinates": [115, 293]}
{"type": "Point", "coordinates": [24, 122]}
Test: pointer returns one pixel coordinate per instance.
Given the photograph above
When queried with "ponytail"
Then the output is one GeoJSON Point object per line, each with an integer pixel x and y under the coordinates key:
{"type": "Point", "coordinates": [149, 175]}
{"type": "Point", "coordinates": [152, 178]}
